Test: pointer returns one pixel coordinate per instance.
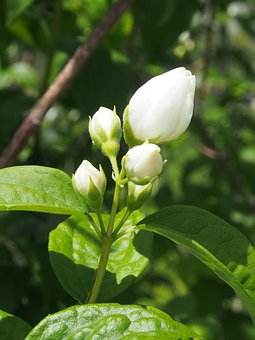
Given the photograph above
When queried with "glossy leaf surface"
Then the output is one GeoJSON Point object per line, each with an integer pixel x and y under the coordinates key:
{"type": "Point", "coordinates": [110, 321]}
{"type": "Point", "coordinates": [75, 251]}
{"type": "Point", "coordinates": [38, 188]}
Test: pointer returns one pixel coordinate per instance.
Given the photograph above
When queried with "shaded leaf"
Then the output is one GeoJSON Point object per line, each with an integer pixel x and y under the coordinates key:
{"type": "Point", "coordinates": [216, 243]}
{"type": "Point", "coordinates": [12, 328]}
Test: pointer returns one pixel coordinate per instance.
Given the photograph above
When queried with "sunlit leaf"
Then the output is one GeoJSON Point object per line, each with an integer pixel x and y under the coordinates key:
{"type": "Point", "coordinates": [110, 321]}
{"type": "Point", "coordinates": [75, 251]}
{"type": "Point", "coordinates": [38, 188]}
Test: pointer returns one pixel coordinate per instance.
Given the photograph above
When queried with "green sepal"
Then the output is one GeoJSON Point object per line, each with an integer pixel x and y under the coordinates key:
{"type": "Point", "coordinates": [98, 138]}
{"type": "Point", "coordinates": [129, 137]}
{"type": "Point", "coordinates": [95, 196]}
{"type": "Point", "coordinates": [116, 131]}
{"type": "Point", "coordinates": [109, 145]}
{"type": "Point", "coordinates": [110, 148]}
{"type": "Point", "coordinates": [134, 203]}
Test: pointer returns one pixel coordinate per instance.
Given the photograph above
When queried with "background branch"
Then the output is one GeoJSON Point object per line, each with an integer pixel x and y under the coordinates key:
{"type": "Point", "coordinates": [212, 149]}
{"type": "Point", "coordinates": [63, 80]}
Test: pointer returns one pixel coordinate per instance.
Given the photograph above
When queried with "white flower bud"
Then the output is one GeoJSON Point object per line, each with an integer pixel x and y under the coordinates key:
{"type": "Point", "coordinates": [91, 183]}
{"type": "Point", "coordinates": [139, 194]}
{"type": "Point", "coordinates": [105, 131]}
{"type": "Point", "coordinates": [161, 109]}
{"type": "Point", "coordinates": [143, 163]}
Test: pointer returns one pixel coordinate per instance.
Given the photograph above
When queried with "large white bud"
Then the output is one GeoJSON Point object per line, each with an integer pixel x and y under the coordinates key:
{"type": "Point", "coordinates": [143, 163]}
{"type": "Point", "coordinates": [105, 131]}
{"type": "Point", "coordinates": [161, 109]}
{"type": "Point", "coordinates": [91, 183]}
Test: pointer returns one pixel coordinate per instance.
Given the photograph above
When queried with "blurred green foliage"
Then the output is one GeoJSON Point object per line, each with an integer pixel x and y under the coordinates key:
{"type": "Point", "coordinates": [211, 166]}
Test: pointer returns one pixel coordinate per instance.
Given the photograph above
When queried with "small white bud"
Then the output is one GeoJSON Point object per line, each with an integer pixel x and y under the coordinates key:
{"type": "Point", "coordinates": [161, 109]}
{"type": "Point", "coordinates": [105, 131]}
{"type": "Point", "coordinates": [143, 163]}
{"type": "Point", "coordinates": [91, 183]}
{"type": "Point", "coordinates": [139, 194]}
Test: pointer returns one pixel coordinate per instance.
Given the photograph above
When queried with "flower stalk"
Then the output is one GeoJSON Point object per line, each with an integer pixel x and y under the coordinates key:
{"type": "Point", "coordinates": [107, 243]}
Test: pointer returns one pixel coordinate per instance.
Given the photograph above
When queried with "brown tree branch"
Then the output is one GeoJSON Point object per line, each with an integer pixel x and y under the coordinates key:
{"type": "Point", "coordinates": [63, 80]}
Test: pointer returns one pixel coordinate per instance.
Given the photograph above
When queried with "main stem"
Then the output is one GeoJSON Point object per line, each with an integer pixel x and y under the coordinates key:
{"type": "Point", "coordinates": [106, 248]}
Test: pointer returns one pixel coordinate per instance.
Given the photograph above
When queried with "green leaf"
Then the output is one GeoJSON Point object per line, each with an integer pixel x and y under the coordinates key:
{"type": "Point", "coordinates": [16, 7]}
{"type": "Point", "coordinates": [75, 250]}
{"type": "Point", "coordinates": [12, 328]}
{"type": "Point", "coordinates": [212, 240]}
{"type": "Point", "coordinates": [38, 188]}
{"type": "Point", "coordinates": [110, 321]}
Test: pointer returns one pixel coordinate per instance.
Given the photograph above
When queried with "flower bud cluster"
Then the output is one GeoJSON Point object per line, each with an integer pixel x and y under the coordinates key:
{"type": "Point", "coordinates": [159, 112]}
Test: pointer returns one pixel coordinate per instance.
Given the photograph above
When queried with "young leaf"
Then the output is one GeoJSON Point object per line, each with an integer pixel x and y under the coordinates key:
{"type": "Point", "coordinates": [38, 188]}
{"type": "Point", "coordinates": [110, 321]}
{"type": "Point", "coordinates": [75, 251]}
{"type": "Point", "coordinates": [216, 243]}
{"type": "Point", "coordinates": [12, 328]}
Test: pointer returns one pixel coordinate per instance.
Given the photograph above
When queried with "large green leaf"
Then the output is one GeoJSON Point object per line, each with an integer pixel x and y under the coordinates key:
{"type": "Point", "coordinates": [110, 321]}
{"type": "Point", "coordinates": [12, 328]}
{"type": "Point", "coordinates": [38, 188]}
{"type": "Point", "coordinates": [216, 243]}
{"type": "Point", "coordinates": [75, 251]}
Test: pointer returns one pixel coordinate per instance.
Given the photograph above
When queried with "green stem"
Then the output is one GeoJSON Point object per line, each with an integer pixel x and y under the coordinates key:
{"type": "Point", "coordinates": [101, 223]}
{"type": "Point", "coordinates": [115, 204]}
{"type": "Point", "coordinates": [119, 235]}
{"type": "Point", "coordinates": [94, 225]}
{"type": "Point", "coordinates": [106, 246]}
{"type": "Point", "coordinates": [123, 220]}
{"type": "Point", "coordinates": [115, 168]}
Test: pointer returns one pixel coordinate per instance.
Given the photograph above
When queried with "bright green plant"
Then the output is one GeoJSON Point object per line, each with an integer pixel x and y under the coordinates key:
{"type": "Point", "coordinates": [96, 255]}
